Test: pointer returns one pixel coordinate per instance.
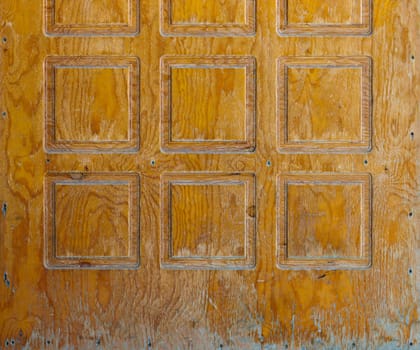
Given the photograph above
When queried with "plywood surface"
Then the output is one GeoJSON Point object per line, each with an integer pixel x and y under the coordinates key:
{"type": "Point", "coordinates": [187, 174]}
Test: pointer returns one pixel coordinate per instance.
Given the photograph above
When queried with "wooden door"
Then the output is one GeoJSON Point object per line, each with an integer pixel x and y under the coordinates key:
{"type": "Point", "coordinates": [208, 174]}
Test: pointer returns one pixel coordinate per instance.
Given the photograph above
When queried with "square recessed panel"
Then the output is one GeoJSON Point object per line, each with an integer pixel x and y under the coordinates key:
{"type": "Point", "coordinates": [324, 104]}
{"type": "Point", "coordinates": [208, 104]}
{"type": "Point", "coordinates": [87, 17]}
{"type": "Point", "coordinates": [324, 17]}
{"type": "Point", "coordinates": [91, 221]}
{"type": "Point", "coordinates": [92, 104]}
{"type": "Point", "coordinates": [208, 17]}
{"type": "Point", "coordinates": [208, 221]}
{"type": "Point", "coordinates": [324, 221]}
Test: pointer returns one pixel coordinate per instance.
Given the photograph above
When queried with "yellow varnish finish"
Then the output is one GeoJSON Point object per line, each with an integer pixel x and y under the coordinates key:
{"type": "Point", "coordinates": [188, 174]}
{"type": "Point", "coordinates": [208, 12]}
{"type": "Point", "coordinates": [91, 104]}
{"type": "Point", "coordinates": [91, 221]}
{"type": "Point", "coordinates": [324, 11]}
{"type": "Point", "coordinates": [324, 104]}
{"type": "Point", "coordinates": [224, 93]}
{"type": "Point", "coordinates": [91, 12]}
{"type": "Point", "coordinates": [327, 222]}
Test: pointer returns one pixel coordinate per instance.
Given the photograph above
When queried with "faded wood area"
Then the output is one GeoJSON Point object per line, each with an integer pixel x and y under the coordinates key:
{"type": "Point", "coordinates": [220, 174]}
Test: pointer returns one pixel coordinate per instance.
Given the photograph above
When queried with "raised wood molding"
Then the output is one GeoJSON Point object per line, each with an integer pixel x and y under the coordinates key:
{"type": "Point", "coordinates": [196, 218]}
{"type": "Point", "coordinates": [359, 121]}
{"type": "Point", "coordinates": [169, 142]}
{"type": "Point", "coordinates": [78, 138]}
{"type": "Point", "coordinates": [70, 242]}
{"type": "Point", "coordinates": [357, 208]}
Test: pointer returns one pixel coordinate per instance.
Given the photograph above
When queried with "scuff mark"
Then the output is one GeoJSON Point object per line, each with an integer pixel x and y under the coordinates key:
{"type": "Point", "coordinates": [6, 280]}
{"type": "Point", "coordinates": [4, 209]}
{"type": "Point", "coordinates": [293, 329]}
{"type": "Point", "coordinates": [213, 304]}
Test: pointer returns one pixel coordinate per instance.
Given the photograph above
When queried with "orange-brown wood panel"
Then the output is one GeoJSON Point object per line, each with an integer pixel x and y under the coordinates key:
{"type": "Point", "coordinates": [188, 174]}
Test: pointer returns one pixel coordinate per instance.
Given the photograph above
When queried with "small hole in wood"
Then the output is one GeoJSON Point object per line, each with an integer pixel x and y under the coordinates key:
{"type": "Point", "coordinates": [6, 343]}
{"type": "Point", "coordinates": [365, 162]}
{"type": "Point", "coordinates": [412, 134]}
{"type": "Point", "coordinates": [410, 271]}
{"type": "Point", "coordinates": [48, 342]}
{"type": "Point", "coordinates": [4, 39]}
{"type": "Point", "coordinates": [412, 57]}
{"type": "Point", "coordinates": [410, 214]}
{"type": "Point", "coordinates": [48, 160]}
{"type": "Point", "coordinates": [268, 163]}
{"type": "Point", "coordinates": [152, 162]}
{"type": "Point", "coordinates": [4, 114]}
{"type": "Point", "coordinates": [12, 342]}
{"type": "Point", "coordinates": [410, 343]}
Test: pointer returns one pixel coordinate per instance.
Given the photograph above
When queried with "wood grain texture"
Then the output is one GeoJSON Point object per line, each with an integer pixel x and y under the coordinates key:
{"type": "Point", "coordinates": [208, 12]}
{"type": "Point", "coordinates": [208, 17]}
{"type": "Point", "coordinates": [92, 104]}
{"type": "Point", "coordinates": [92, 221]}
{"type": "Point", "coordinates": [324, 221]}
{"type": "Point", "coordinates": [84, 17]}
{"type": "Point", "coordinates": [324, 104]}
{"type": "Point", "coordinates": [324, 12]}
{"type": "Point", "coordinates": [308, 17]}
{"type": "Point", "coordinates": [208, 104]}
{"type": "Point", "coordinates": [208, 221]}
{"type": "Point", "coordinates": [260, 308]}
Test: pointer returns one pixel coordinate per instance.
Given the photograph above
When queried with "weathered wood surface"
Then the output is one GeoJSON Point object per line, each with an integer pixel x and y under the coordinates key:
{"type": "Point", "coordinates": [95, 299]}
